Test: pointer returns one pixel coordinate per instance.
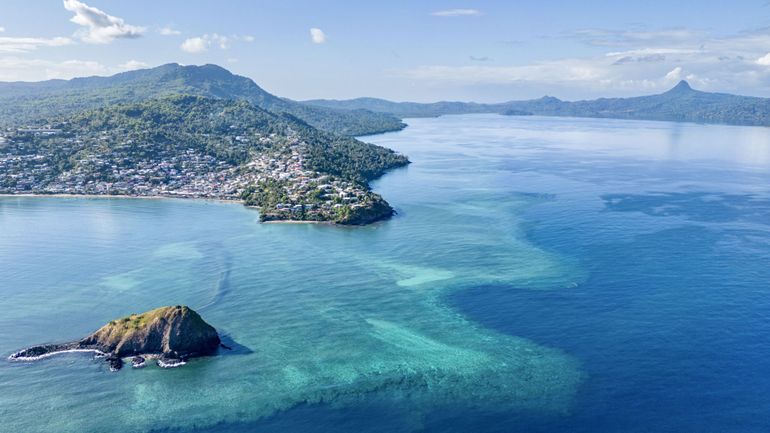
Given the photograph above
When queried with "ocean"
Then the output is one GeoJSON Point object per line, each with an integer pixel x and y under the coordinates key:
{"type": "Point", "coordinates": [541, 275]}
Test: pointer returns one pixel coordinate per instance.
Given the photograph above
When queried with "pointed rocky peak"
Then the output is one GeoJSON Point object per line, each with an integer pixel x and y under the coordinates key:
{"type": "Point", "coordinates": [682, 87]}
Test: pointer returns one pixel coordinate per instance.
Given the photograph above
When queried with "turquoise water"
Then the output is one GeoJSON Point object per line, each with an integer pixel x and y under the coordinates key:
{"type": "Point", "coordinates": [543, 274]}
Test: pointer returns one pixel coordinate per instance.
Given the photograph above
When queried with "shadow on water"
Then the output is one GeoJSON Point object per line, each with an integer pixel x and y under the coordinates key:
{"type": "Point", "coordinates": [222, 287]}
{"type": "Point", "coordinates": [231, 347]}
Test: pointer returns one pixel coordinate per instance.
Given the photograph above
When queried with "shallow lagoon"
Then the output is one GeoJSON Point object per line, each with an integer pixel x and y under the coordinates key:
{"type": "Point", "coordinates": [543, 274]}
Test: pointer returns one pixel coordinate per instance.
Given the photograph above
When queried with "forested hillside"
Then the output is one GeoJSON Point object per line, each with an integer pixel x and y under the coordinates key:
{"type": "Point", "coordinates": [191, 146]}
{"type": "Point", "coordinates": [26, 102]}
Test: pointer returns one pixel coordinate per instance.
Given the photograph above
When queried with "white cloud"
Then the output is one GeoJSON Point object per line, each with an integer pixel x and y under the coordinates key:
{"type": "Point", "coordinates": [675, 74]}
{"type": "Point", "coordinates": [168, 31]}
{"type": "Point", "coordinates": [2, 29]}
{"type": "Point", "coordinates": [561, 70]}
{"type": "Point", "coordinates": [317, 35]}
{"type": "Point", "coordinates": [596, 76]}
{"type": "Point", "coordinates": [23, 69]}
{"type": "Point", "coordinates": [651, 52]}
{"type": "Point", "coordinates": [222, 41]}
{"type": "Point", "coordinates": [132, 65]}
{"type": "Point", "coordinates": [101, 28]}
{"type": "Point", "coordinates": [195, 45]}
{"type": "Point", "coordinates": [26, 69]}
{"type": "Point", "coordinates": [602, 37]}
{"type": "Point", "coordinates": [22, 45]}
{"type": "Point", "coordinates": [635, 62]}
{"type": "Point", "coordinates": [201, 44]}
{"type": "Point", "coordinates": [76, 68]}
{"type": "Point", "coordinates": [764, 60]}
{"type": "Point", "coordinates": [456, 13]}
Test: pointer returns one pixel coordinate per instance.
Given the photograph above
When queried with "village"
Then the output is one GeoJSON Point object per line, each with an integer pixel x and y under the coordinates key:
{"type": "Point", "coordinates": [305, 194]}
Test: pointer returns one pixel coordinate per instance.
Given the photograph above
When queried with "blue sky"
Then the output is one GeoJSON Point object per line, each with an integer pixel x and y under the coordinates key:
{"type": "Point", "coordinates": [404, 50]}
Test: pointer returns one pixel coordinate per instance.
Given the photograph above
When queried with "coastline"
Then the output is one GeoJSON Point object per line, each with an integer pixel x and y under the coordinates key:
{"type": "Point", "coordinates": [124, 196]}
{"type": "Point", "coordinates": [331, 223]}
{"type": "Point", "coordinates": [167, 197]}
{"type": "Point", "coordinates": [14, 358]}
{"type": "Point", "coordinates": [160, 361]}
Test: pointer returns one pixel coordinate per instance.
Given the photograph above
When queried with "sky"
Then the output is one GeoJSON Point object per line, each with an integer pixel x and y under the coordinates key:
{"type": "Point", "coordinates": [486, 51]}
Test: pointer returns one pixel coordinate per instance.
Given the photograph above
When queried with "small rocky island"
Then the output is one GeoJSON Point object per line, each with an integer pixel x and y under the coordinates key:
{"type": "Point", "coordinates": [169, 334]}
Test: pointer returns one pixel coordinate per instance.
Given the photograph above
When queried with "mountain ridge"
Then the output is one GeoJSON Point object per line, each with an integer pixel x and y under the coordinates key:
{"type": "Point", "coordinates": [34, 102]}
{"type": "Point", "coordinates": [681, 103]}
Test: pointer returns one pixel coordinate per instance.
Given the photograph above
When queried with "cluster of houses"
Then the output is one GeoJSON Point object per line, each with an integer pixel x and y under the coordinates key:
{"type": "Point", "coordinates": [309, 194]}
{"type": "Point", "coordinates": [189, 173]}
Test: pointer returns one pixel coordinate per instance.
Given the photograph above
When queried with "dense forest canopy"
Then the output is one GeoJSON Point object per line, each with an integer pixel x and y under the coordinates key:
{"type": "Point", "coordinates": [26, 103]}
{"type": "Point", "coordinates": [228, 130]}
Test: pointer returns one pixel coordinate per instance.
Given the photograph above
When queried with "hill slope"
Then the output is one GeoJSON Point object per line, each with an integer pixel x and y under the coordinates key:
{"type": "Point", "coordinates": [191, 146]}
{"type": "Point", "coordinates": [25, 102]}
{"type": "Point", "coordinates": [680, 104]}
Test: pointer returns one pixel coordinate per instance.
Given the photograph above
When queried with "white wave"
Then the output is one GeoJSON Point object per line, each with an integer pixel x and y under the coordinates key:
{"type": "Point", "coordinates": [162, 364]}
{"type": "Point", "coordinates": [15, 356]}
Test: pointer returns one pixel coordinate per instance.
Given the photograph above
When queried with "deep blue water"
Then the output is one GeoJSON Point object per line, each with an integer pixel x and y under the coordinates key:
{"type": "Point", "coordinates": [671, 326]}
{"type": "Point", "coordinates": [543, 275]}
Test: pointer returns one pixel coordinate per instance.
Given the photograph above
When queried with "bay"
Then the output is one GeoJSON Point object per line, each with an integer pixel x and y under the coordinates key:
{"type": "Point", "coordinates": [542, 275]}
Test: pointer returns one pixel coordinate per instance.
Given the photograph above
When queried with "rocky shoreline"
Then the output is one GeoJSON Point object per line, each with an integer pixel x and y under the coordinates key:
{"type": "Point", "coordinates": [115, 362]}
{"type": "Point", "coordinates": [170, 335]}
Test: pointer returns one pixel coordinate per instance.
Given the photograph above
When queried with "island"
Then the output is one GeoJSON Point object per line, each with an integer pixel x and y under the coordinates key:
{"type": "Point", "coordinates": [171, 335]}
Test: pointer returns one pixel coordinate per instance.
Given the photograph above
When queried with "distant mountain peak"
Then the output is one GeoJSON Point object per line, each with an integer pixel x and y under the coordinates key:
{"type": "Point", "coordinates": [682, 86]}
{"type": "Point", "coordinates": [548, 98]}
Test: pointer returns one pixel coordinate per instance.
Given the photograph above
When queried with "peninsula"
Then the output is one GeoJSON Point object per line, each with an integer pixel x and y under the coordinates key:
{"type": "Point", "coordinates": [170, 334]}
{"type": "Point", "coordinates": [193, 146]}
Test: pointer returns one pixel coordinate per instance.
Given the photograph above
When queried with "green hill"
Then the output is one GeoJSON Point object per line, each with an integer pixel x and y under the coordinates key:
{"type": "Point", "coordinates": [27, 102]}
{"type": "Point", "coordinates": [680, 104]}
{"type": "Point", "coordinates": [191, 146]}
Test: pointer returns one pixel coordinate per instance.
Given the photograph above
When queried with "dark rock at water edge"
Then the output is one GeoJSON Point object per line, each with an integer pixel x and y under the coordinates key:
{"type": "Point", "coordinates": [35, 352]}
{"type": "Point", "coordinates": [115, 362]}
{"type": "Point", "coordinates": [377, 210]}
{"type": "Point", "coordinates": [138, 362]}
